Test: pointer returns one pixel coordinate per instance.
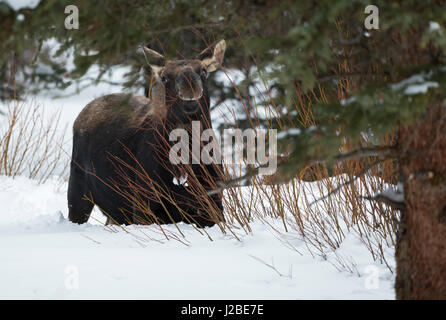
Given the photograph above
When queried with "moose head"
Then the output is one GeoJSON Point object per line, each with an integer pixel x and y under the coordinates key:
{"type": "Point", "coordinates": [185, 80]}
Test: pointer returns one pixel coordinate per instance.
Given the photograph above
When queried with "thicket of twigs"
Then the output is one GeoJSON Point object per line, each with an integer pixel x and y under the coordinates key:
{"type": "Point", "coordinates": [320, 206]}
{"type": "Point", "coordinates": [31, 144]}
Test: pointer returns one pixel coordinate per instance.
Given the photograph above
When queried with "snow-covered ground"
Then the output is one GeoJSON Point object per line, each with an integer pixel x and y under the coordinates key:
{"type": "Point", "coordinates": [44, 256]}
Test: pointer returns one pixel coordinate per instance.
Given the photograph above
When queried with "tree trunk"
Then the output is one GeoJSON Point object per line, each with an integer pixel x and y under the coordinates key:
{"type": "Point", "coordinates": [421, 242]}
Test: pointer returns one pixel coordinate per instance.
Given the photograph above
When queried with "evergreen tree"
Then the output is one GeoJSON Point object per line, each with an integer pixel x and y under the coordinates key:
{"type": "Point", "coordinates": [397, 78]}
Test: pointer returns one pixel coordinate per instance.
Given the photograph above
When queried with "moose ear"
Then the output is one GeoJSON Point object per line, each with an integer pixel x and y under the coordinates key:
{"type": "Point", "coordinates": [212, 57]}
{"type": "Point", "coordinates": [154, 59]}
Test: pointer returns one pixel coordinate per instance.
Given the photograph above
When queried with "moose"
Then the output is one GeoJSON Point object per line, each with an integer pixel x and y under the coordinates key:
{"type": "Point", "coordinates": [120, 157]}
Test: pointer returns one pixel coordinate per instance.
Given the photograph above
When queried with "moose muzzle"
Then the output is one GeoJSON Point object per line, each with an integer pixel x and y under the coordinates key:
{"type": "Point", "coordinates": [189, 86]}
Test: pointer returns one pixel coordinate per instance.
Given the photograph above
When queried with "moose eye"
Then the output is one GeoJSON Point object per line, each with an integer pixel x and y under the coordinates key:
{"type": "Point", "coordinates": [164, 79]}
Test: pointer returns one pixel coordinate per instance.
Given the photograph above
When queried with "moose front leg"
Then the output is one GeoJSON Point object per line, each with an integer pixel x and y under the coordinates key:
{"type": "Point", "coordinates": [189, 200]}
{"type": "Point", "coordinates": [208, 177]}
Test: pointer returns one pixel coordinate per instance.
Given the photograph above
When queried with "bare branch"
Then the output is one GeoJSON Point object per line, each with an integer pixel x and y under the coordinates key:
{"type": "Point", "coordinates": [383, 152]}
{"type": "Point", "coordinates": [360, 153]}
{"type": "Point", "coordinates": [350, 181]}
{"type": "Point", "coordinates": [391, 197]}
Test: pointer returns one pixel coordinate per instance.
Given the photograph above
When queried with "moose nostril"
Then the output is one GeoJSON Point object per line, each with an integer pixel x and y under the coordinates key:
{"type": "Point", "coordinates": [188, 85]}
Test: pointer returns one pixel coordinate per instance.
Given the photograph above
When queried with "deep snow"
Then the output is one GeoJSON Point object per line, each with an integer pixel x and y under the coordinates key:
{"type": "Point", "coordinates": [45, 256]}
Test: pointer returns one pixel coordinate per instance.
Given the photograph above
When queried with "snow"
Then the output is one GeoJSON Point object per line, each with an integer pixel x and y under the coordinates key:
{"type": "Point", "coordinates": [434, 26]}
{"type": "Point", "coordinates": [21, 4]}
{"type": "Point", "coordinates": [415, 84]}
{"type": "Point", "coordinates": [420, 88]}
{"type": "Point", "coordinates": [44, 256]}
{"type": "Point", "coordinates": [346, 102]}
{"type": "Point", "coordinates": [395, 195]}
{"type": "Point", "coordinates": [260, 92]}
{"type": "Point", "coordinates": [292, 132]}
{"type": "Point", "coordinates": [416, 78]}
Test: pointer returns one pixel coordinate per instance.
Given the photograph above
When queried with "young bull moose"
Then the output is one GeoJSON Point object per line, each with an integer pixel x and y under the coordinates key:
{"type": "Point", "coordinates": [121, 147]}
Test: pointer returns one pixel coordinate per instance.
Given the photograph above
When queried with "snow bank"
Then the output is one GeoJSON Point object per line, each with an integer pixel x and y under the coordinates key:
{"type": "Point", "coordinates": [44, 256]}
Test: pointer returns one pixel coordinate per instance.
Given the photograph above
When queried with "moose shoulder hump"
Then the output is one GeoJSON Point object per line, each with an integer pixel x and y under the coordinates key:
{"type": "Point", "coordinates": [124, 109]}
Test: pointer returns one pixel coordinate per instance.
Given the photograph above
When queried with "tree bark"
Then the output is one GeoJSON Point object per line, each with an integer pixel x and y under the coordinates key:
{"type": "Point", "coordinates": [421, 240]}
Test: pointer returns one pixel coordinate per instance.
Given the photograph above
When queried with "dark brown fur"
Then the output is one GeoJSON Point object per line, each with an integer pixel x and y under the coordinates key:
{"type": "Point", "coordinates": [129, 109]}
{"type": "Point", "coordinates": [120, 131]}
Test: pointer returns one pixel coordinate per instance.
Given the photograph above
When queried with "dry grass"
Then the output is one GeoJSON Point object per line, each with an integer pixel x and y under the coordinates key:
{"type": "Point", "coordinates": [322, 224]}
{"type": "Point", "coordinates": [31, 145]}
{"type": "Point", "coordinates": [316, 207]}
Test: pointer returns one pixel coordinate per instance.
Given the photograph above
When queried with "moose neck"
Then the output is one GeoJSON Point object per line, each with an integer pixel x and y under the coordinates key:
{"type": "Point", "coordinates": [176, 118]}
